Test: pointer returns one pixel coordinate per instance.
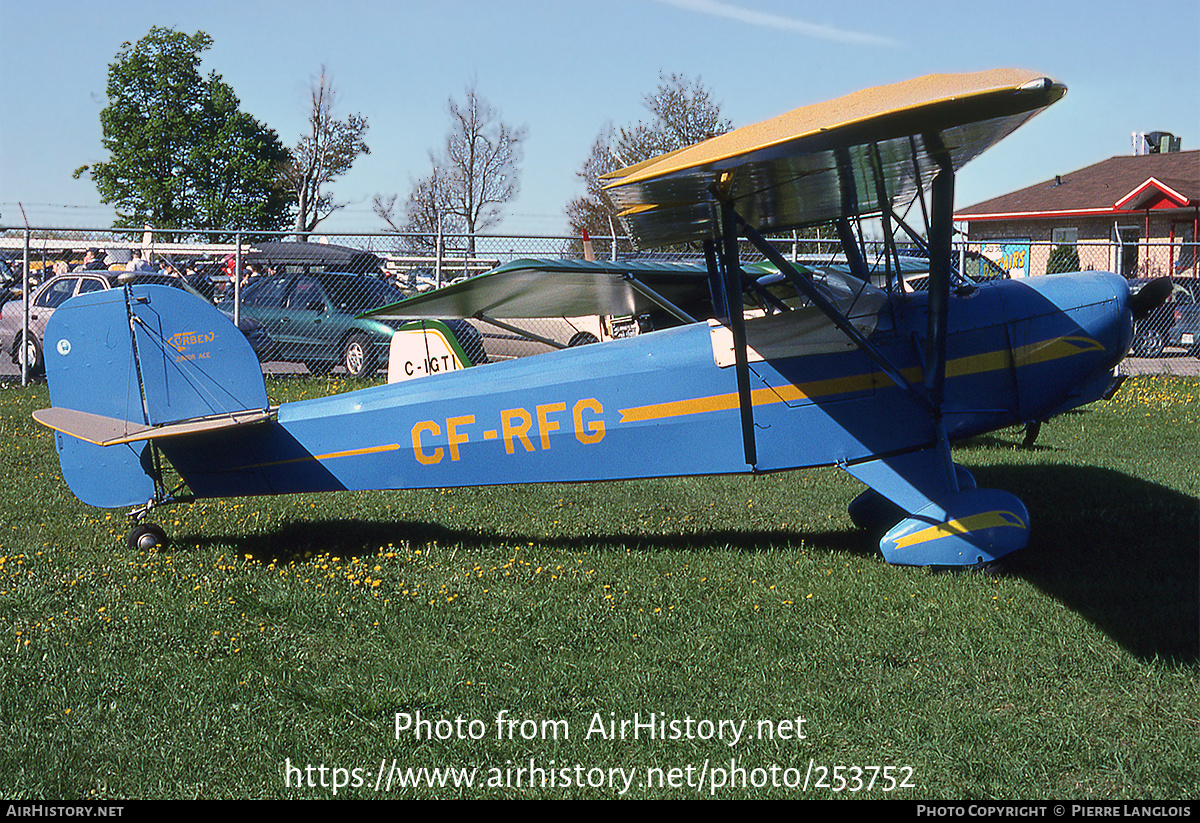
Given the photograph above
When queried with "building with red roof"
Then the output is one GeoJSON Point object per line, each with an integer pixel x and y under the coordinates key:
{"type": "Point", "coordinates": [1137, 214]}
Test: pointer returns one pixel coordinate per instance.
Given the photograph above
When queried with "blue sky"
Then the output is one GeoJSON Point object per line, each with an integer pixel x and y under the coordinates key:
{"type": "Point", "coordinates": [564, 69]}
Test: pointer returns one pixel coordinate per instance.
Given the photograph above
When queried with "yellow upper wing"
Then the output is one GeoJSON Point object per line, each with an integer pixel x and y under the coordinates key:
{"type": "Point", "coordinates": [849, 156]}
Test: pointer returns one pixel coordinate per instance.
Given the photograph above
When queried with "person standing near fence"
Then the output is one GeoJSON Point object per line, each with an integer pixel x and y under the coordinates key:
{"type": "Point", "coordinates": [138, 263]}
{"type": "Point", "coordinates": [92, 261]}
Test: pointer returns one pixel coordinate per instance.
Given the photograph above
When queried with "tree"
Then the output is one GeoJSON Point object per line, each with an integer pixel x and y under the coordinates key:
{"type": "Point", "coordinates": [326, 152]}
{"type": "Point", "coordinates": [594, 211]}
{"type": "Point", "coordinates": [424, 211]}
{"type": "Point", "coordinates": [683, 113]}
{"type": "Point", "coordinates": [182, 153]}
{"type": "Point", "coordinates": [476, 174]}
{"type": "Point", "coordinates": [1062, 258]}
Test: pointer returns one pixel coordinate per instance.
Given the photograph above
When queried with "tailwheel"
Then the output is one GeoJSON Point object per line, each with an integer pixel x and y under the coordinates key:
{"type": "Point", "coordinates": [146, 536]}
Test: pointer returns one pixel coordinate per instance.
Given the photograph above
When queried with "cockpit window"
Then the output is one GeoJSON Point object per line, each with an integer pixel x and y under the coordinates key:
{"type": "Point", "coordinates": [839, 287]}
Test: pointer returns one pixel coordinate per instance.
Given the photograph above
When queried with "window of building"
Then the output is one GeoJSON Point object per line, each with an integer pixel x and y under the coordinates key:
{"type": "Point", "coordinates": [1185, 258]}
{"type": "Point", "coordinates": [1126, 239]}
{"type": "Point", "coordinates": [1064, 237]}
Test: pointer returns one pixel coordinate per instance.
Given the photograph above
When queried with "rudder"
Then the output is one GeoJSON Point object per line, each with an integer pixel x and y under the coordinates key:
{"type": "Point", "coordinates": [149, 355]}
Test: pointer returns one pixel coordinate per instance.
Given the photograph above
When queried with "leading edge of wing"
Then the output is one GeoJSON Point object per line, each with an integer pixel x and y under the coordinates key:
{"type": "Point", "coordinates": [815, 163]}
{"type": "Point", "coordinates": [553, 288]}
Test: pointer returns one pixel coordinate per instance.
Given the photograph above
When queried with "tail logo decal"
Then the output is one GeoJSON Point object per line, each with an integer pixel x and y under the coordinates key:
{"type": "Point", "coordinates": [181, 341]}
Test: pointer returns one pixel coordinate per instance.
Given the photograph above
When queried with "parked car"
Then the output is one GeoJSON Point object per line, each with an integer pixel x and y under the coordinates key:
{"type": "Point", "coordinates": [10, 282]}
{"type": "Point", "coordinates": [1185, 301]}
{"type": "Point", "coordinates": [292, 258]}
{"type": "Point", "coordinates": [57, 290]}
{"type": "Point", "coordinates": [1175, 323]}
{"type": "Point", "coordinates": [313, 318]}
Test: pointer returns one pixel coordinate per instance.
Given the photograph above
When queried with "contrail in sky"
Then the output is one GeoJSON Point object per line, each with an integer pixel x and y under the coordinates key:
{"type": "Point", "coordinates": [774, 21]}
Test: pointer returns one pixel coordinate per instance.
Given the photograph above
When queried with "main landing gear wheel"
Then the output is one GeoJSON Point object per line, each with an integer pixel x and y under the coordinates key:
{"type": "Point", "coordinates": [146, 536]}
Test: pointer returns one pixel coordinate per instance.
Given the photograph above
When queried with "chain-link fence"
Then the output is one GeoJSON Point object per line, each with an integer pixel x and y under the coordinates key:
{"type": "Point", "coordinates": [299, 303]}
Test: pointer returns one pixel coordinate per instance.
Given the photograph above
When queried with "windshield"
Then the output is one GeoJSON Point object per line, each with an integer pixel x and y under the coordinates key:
{"type": "Point", "coordinates": [913, 269]}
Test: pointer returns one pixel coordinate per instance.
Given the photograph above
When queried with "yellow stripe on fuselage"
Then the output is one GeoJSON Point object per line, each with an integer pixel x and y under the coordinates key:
{"type": "Point", "coordinates": [1054, 349]}
{"type": "Point", "coordinates": [390, 447]}
{"type": "Point", "coordinates": [1041, 352]}
{"type": "Point", "coordinates": [758, 397]}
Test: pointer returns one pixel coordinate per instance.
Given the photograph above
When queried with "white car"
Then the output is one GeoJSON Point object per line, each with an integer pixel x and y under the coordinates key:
{"type": "Point", "coordinates": [61, 288]}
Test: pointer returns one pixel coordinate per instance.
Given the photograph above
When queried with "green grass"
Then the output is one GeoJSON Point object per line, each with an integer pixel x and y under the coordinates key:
{"type": "Point", "coordinates": [295, 630]}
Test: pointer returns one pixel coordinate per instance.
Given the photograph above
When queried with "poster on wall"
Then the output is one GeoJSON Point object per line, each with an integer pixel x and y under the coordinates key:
{"type": "Point", "coordinates": [1010, 255]}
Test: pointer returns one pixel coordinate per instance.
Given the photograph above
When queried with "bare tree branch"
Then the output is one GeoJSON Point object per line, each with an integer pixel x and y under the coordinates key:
{"type": "Point", "coordinates": [325, 153]}
{"type": "Point", "coordinates": [684, 113]}
{"type": "Point", "coordinates": [475, 175]}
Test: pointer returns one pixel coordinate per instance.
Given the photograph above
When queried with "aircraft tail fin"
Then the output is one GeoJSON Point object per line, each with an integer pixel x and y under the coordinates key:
{"type": "Point", "coordinates": [141, 361]}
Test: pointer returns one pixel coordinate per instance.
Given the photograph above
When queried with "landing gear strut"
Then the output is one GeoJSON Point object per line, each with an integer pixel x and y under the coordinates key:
{"type": "Point", "coordinates": [143, 535]}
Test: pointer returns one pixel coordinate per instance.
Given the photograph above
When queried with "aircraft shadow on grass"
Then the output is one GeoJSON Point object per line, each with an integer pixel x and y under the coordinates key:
{"type": "Point", "coordinates": [1122, 553]}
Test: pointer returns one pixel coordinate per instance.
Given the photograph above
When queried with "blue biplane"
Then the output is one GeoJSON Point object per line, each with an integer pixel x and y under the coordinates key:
{"type": "Point", "coordinates": [870, 378]}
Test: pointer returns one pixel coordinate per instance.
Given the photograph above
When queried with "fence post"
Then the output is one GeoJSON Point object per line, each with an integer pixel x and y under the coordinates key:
{"type": "Point", "coordinates": [25, 316]}
{"type": "Point", "coordinates": [437, 255]}
{"type": "Point", "coordinates": [237, 280]}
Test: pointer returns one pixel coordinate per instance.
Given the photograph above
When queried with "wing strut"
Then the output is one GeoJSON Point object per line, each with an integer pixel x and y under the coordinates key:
{"type": "Point", "coordinates": [854, 255]}
{"type": "Point", "coordinates": [939, 286]}
{"type": "Point", "coordinates": [831, 311]}
{"type": "Point", "coordinates": [940, 228]}
{"type": "Point", "coordinates": [537, 338]}
{"type": "Point", "coordinates": [890, 253]}
{"type": "Point", "coordinates": [656, 298]}
{"type": "Point", "coordinates": [732, 287]}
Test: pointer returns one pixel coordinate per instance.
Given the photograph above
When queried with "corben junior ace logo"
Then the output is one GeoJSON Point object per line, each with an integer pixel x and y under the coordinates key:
{"type": "Point", "coordinates": [185, 340]}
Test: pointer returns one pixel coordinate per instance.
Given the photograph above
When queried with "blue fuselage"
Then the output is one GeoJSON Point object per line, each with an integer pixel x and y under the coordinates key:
{"type": "Point", "coordinates": [660, 405]}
